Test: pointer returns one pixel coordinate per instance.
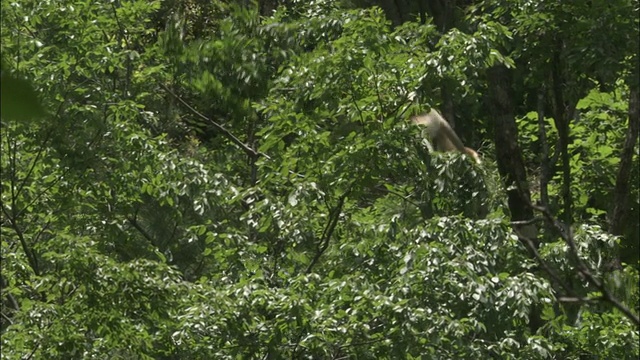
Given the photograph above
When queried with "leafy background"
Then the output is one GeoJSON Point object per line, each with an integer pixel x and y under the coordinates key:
{"type": "Point", "coordinates": [213, 179]}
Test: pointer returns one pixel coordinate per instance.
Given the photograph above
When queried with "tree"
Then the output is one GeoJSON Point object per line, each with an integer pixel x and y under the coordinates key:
{"type": "Point", "coordinates": [220, 181]}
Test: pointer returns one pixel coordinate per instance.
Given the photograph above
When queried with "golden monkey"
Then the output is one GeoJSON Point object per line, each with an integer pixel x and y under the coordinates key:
{"type": "Point", "coordinates": [442, 135]}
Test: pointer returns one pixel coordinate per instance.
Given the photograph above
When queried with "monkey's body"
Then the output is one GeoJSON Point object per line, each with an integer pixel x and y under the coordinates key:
{"type": "Point", "coordinates": [442, 135]}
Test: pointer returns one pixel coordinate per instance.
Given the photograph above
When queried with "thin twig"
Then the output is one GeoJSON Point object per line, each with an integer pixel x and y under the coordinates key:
{"type": "Point", "coordinates": [527, 222]}
{"type": "Point", "coordinates": [403, 197]}
{"type": "Point", "coordinates": [578, 300]}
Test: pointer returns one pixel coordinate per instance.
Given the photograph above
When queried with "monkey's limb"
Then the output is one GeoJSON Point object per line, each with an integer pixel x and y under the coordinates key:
{"type": "Point", "coordinates": [474, 155]}
{"type": "Point", "coordinates": [446, 138]}
{"type": "Point", "coordinates": [442, 135]}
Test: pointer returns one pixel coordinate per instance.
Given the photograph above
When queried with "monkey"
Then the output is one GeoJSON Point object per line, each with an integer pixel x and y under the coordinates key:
{"type": "Point", "coordinates": [442, 135]}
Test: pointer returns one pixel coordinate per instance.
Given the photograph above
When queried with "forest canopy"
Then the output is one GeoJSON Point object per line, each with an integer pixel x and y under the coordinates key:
{"type": "Point", "coordinates": [190, 179]}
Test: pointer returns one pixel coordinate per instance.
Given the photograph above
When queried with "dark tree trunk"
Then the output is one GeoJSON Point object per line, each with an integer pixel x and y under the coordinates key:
{"type": "Point", "coordinates": [508, 154]}
{"type": "Point", "coordinates": [399, 11]}
{"type": "Point", "coordinates": [621, 192]}
{"type": "Point", "coordinates": [443, 13]}
{"type": "Point", "coordinates": [545, 162]}
{"type": "Point", "coordinates": [619, 214]}
{"type": "Point", "coordinates": [561, 116]}
{"type": "Point", "coordinates": [510, 163]}
{"type": "Point", "coordinates": [422, 11]}
{"type": "Point", "coordinates": [267, 7]}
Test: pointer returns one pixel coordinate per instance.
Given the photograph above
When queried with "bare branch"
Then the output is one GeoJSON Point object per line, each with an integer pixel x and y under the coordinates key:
{"type": "Point", "coordinates": [334, 216]}
{"type": "Point", "coordinates": [247, 149]}
{"type": "Point", "coordinates": [534, 250]}
{"type": "Point", "coordinates": [527, 222]}
{"type": "Point", "coordinates": [567, 235]}
{"type": "Point", "coordinates": [578, 300]}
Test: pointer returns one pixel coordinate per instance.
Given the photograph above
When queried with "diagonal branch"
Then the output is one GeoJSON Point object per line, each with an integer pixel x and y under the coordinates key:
{"type": "Point", "coordinates": [28, 250]}
{"type": "Point", "coordinates": [247, 149]}
{"type": "Point", "coordinates": [530, 244]}
{"type": "Point", "coordinates": [567, 235]}
{"type": "Point", "coordinates": [334, 216]}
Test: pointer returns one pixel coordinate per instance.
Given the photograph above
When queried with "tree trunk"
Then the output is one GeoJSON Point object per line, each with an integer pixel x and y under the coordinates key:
{"type": "Point", "coordinates": [443, 13]}
{"type": "Point", "coordinates": [510, 164]}
{"type": "Point", "coordinates": [508, 154]}
{"type": "Point", "coordinates": [561, 116]}
{"type": "Point", "coordinates": [619, 214]}
{"type": "Point", "coordinates": [267, 7]}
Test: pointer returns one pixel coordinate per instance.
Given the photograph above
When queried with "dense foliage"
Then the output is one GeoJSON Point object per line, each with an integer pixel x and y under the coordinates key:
{"type": "Point", "coordinates": [203, 180]}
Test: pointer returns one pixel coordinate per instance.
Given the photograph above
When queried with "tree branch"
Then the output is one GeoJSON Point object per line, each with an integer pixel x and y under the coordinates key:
{"type": "Point", "coordinates": [134, 222]}
{"type": "Point", "coordinates": [247, 149]}
{"type": "Point", "coordinates": [28, 250]}
{"type": "Point", "coordinates": [567, 235]}
{"type": "Point", "coordinates": [534, 251]}
{"type": "Point", "coordinates": [334, 216]}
